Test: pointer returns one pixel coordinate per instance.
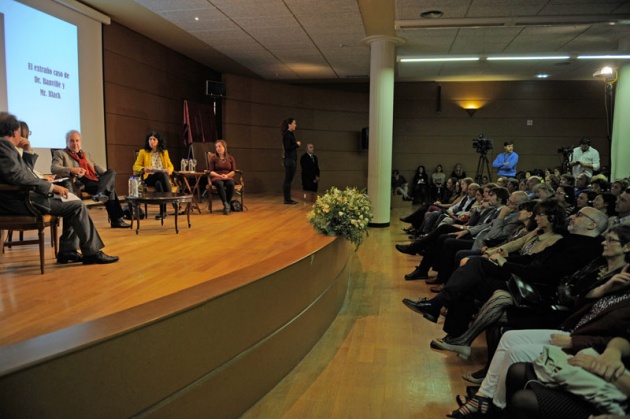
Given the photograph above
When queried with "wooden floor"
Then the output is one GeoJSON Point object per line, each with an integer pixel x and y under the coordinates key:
{"type": "Point", "coordinates": [373, 362]}
{"type": "Point", "coordinates": [155, 263]}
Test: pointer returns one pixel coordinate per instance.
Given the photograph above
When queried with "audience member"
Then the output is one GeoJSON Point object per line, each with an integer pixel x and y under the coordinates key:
{"type": "Point", "coordinates": [582, 182]}
{"type": "Point", "coordinates": [458, 172]}
{"type": "Point", "coordinates": [619, 186]}
{"type": "Point", "coordinates": [437, 182]}
{"type": "Point", "coordinates": [506, 162]}
{"type": "Point", "coordinates": [310, 170]}
{"type": "Point", "coordinates": [420, 182]}
{"type": "Point", "coordinates": [543, 191]}
{"type": "Point", "coordinates": [566, 198]}
{"type": "Point", "coordinates": [399, 185]}
{"type": "Point", "coordinates": [622, 206]}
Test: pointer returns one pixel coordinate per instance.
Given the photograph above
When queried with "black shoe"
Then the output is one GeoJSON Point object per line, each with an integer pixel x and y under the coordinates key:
{"type": "Point", "coordinates": [405, 248]}
{"type": "Point", "coordinates": [405, 220]}
{"type": "Point", "coordinates": [290, 202]}
{"type": "Point", "coordinates": [69, 257]}
{"type": "Point", "coordinates": [417, 274]}
{"type": "Point", "coordinates": [119, 223]}
{"type": "Point", "coordinates": [161, 216]}
{"type": "Point", "coordinates": [99, 258]}
{"type": "Point", "coordinates": [99, 197]}
{"type": "Point", "coordinates": [424, 307]}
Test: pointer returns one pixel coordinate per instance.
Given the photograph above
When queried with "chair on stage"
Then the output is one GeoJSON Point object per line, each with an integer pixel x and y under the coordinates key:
{"type": "Point", "coordinates": [36, 220]}
{"type": "Point", "coordinates": [239, 185]}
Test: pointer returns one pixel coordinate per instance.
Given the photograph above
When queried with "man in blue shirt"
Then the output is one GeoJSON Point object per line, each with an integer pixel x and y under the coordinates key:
{"type": "Point", "coordinates": [506, 161]}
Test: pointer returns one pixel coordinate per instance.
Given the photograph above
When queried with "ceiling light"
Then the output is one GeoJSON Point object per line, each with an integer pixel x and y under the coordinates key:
{"type": "Point", "coordinates": [432, 14]}
{"type": "Point", "coordinates": [542, 76]}
{"type": "Point", "coordinates": [544, 57]}
{"type": "Point", "coordinates": [196, 18]}
{"type": "Point", "coordinates": [602, 57]}
{"type": "Point", "coordinates": [437, 59]}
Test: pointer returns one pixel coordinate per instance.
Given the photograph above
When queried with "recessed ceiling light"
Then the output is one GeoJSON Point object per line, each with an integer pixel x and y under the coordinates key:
{"type": "Point", "coordinates": [542, 76]}
{"type": "Point", "coordinates": [196, 18]}
{"type": "Point", "coordinates": [432, 14]}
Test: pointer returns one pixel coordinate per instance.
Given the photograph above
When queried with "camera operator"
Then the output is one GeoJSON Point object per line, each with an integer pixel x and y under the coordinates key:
{"type": "Point", "coordinates": [585, 159]}
{"type": "Point", "coordinates": [506, 161]}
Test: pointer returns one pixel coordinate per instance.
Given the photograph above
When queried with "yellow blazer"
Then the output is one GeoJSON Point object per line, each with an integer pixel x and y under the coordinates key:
{"type": "Point", "coordinates": [144, 160]}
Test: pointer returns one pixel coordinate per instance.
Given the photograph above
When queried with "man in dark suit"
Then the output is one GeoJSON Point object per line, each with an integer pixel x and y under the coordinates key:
{"type": "Point", "coordinates": [74, 162]}
{"type": "Point", "coordinates": [310, 170]}
{"type": "Point", "coordinates": [78, 229]}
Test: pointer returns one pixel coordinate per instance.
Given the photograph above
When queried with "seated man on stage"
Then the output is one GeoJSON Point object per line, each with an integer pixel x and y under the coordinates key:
{"type": "Point", "coordinates": [78, 229]}
{"type": "Point", "coordinates": [98, 181]}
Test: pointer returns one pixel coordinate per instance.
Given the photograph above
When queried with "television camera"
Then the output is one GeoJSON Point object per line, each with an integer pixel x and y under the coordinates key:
{"type": "Point", "coordinates": [482, 144]}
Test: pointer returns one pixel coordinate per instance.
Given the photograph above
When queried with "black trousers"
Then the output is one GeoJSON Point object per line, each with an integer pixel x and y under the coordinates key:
{"type": "Point", "coordinates": [290, 166]}
{"type": "Point", "coordinates": [105, 185]}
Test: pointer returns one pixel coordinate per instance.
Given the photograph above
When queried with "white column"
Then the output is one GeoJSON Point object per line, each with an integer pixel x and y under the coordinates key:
{"type": "Point", "coordinates": [620, 150]}
{"type": "Point", "coordinates": [382, 61]}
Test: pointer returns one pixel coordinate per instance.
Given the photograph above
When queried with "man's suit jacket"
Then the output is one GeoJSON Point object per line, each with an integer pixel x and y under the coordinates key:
{"type": "Point", "coordinates": [62, 163]}
{"type": "Point", "coordinates": [17, 170]}
{"type": "Point", "coordinates": [310, 170]}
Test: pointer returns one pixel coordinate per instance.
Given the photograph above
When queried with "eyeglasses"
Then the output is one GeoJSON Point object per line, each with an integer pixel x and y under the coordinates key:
{"type": "Point", "coordinates": [581, 214]}
{"type": "Point", "coordinates": [609, 239]}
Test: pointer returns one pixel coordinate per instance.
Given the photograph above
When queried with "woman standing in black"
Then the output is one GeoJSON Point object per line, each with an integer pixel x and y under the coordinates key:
{"type": "Point", "coordinates": [290, 146]}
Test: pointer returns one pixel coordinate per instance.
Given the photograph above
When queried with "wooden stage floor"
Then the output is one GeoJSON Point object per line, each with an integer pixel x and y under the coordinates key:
{"type": "Point", "coordinates": [154, 264]}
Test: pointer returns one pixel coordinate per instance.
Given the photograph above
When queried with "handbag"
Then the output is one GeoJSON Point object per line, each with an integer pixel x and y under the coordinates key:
{"type": "Point", "coordinates": [553, 370]}
{"type": "Point", "coordinates": [522, 292]}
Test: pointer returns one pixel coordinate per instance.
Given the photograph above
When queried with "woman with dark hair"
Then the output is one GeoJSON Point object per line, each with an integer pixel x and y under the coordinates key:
{"type": "Point", "coordinates": [420, 186]}
{"type": "Point", "coordinates": [155, 166]}
{"type": "Point", "coordinates": [605, 202]}
{"type": "Point", "coordinates": [438, 178]}
{"type": "Point", "coordinates": [584, 199]}
{"type": "Point", "coordinates": [289, 157]}
{"type": "Point", "coordinates": [222, 168]}
{"type": "Point", "coordinates": [602, 313]}
{"type": "Point", "coordinates": [458, 172]}
{"type": "Point", "coordinates": [566, 198]}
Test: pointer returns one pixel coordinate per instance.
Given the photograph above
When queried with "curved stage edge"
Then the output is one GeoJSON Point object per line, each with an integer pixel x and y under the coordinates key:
{"type": "Point", "coordinates": [215, 358]}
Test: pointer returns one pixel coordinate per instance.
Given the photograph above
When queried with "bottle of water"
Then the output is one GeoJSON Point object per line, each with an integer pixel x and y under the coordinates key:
{"type": "Point", "coordinates": [190, 165]}
{"type": "Point", "coordinates": [130, 186]}
{"type": "Point", "coordinates": [184, 165]}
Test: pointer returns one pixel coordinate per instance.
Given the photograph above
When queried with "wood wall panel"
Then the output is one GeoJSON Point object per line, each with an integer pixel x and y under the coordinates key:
{"type": "Point", "coordinates": [561, 112]}
{"type": "Point", "coordinates": [330, 119]}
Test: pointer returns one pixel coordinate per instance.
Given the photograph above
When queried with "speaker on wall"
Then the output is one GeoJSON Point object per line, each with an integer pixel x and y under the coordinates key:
{"type": "Point", "coordinates": [365, 138]}
{"type": "Point", "coordinates": [215, 88]}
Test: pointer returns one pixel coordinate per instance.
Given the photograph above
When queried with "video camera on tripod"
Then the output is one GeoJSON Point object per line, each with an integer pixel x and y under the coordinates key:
{"type": "Point", "coordinates": [567, 153]}
{"type": "Point", "coordinates": [482, 144]}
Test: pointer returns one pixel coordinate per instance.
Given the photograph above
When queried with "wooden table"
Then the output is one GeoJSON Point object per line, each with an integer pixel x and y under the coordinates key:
{"type": "Point", "coordinates": [184, 181]}
{"type": "Point", "coordinates": [159, 198]}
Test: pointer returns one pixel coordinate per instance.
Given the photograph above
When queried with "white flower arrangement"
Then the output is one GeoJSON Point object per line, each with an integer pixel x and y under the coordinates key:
{"type": "Point", "coordinates": [342, 213]}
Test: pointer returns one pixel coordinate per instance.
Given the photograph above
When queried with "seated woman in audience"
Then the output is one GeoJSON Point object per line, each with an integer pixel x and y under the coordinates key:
{"type": "Point", "coordinates": [399, 185]}
{"type": "Point", "coordinates": [452, 195]}
{"type": "Point", "coordinates": [599, 184]}
{"type": "Point", "coordinates": [566, 198]}
{"type": "Point", "coordinates": [603, 315]}
{"type": "Point", "coordinates": [616, 248]}
{"type": "Point", "coordinates": [420, 185]}
{"type": "Point", "coordinates": [458, 172]}
{"type": "Point", "coordinates": [222, 168]}
{"type": "Point", "coordinates": [529, 398]}
{"type": "Point", "coordinates": [437, 182]}
{"type": "Point", "coordinates": [543, 191]}
{"type": "Point", "coordinates": [584, 199]}
{"type": "Point", "coordinates": [605, 202]}
{"type": "Point", "coordinates": [155, 166]}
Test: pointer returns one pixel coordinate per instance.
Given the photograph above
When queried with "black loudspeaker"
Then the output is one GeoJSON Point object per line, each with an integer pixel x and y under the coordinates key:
{"type": "Point", "coordinates": [215, 88]}
{"type": "Point", "coordinates": [365, 138]}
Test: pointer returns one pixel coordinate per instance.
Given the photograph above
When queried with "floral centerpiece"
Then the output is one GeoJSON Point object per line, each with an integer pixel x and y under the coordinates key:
{"type": "Point", "coordinates": [342, 213]}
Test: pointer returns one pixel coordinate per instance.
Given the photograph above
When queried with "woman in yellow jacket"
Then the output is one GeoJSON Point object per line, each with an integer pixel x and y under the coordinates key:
{"type": "Point", "coordinates": [155, 165]}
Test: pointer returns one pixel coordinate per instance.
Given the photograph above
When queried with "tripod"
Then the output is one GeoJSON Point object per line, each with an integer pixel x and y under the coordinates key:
{"type": "Point", "coordinates": [481, 165]}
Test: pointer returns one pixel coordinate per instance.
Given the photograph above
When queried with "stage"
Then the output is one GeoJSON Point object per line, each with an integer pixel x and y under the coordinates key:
{"type": "Point", "coordinates": [175, 322]}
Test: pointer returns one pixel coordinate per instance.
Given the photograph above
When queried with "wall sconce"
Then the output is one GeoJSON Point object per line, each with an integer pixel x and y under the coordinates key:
{"type": "Point", "coordinates": [471, 111]}
{"type": "Point", "coordinates": [471, 106]}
